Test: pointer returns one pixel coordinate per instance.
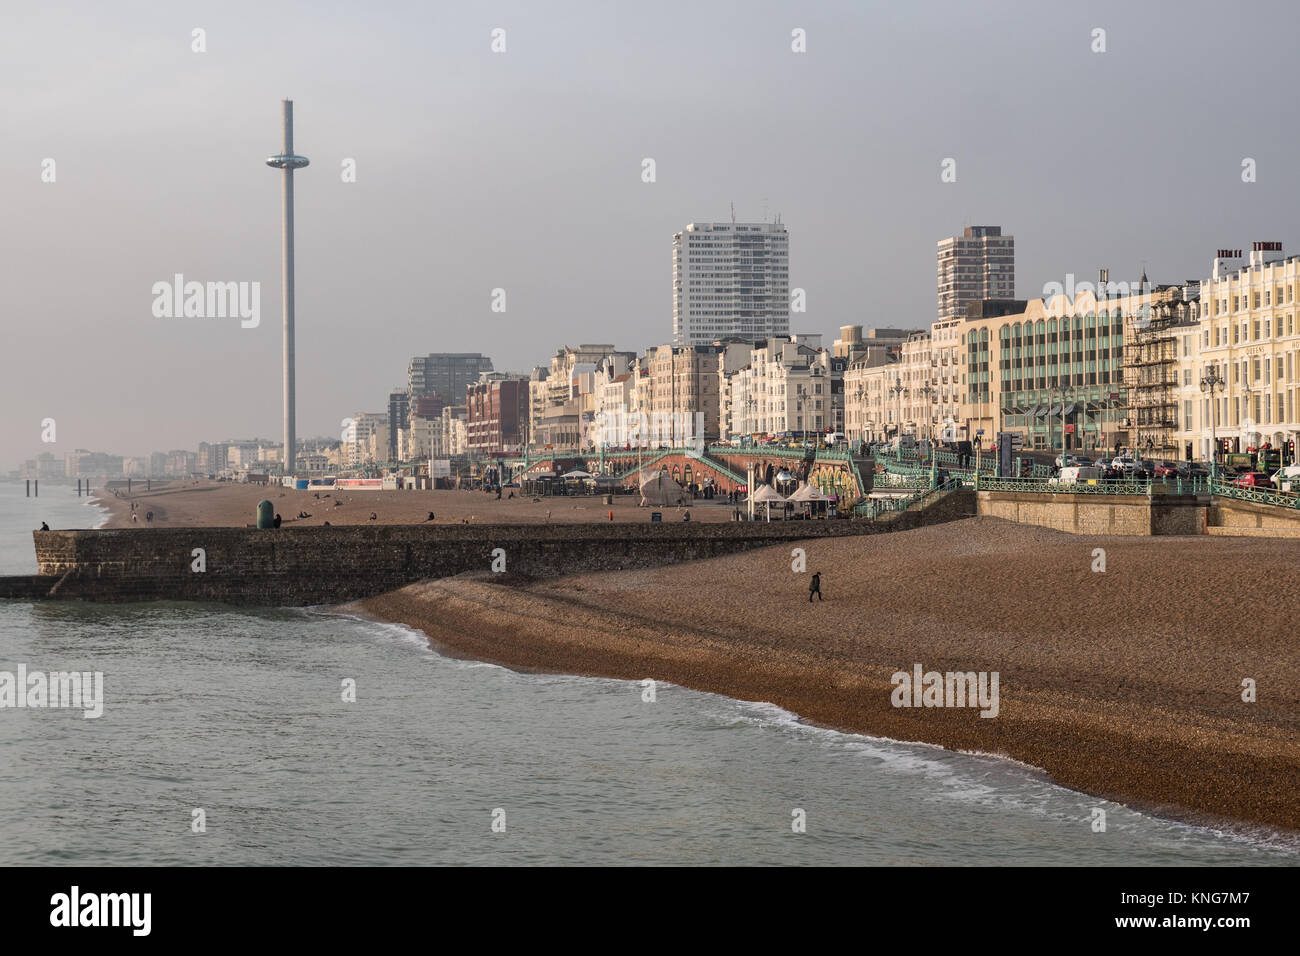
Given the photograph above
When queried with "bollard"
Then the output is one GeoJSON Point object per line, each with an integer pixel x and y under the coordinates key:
{"type": "Point", "coordinates": [29, 487]}
{"type": "Point", "coordinates": [36, 487]}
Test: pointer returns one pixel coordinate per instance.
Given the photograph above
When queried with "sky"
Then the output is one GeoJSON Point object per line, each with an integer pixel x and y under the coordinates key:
{"type": "Point", "coordinates": [521, 170]}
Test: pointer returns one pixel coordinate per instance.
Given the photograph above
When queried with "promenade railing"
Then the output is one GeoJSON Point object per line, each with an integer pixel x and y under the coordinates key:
{"type": "Point", "coordinates": [1265, 496]}
{"type": "Point", "coordinates": [1101, 486]}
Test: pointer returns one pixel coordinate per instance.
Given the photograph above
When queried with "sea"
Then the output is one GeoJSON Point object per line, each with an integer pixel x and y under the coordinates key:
{"type": "Point", "coordinates": [234, 736]}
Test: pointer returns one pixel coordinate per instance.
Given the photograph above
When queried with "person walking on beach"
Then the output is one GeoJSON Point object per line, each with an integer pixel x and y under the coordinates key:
{"type": "Point", "coordinates": [815, 587]}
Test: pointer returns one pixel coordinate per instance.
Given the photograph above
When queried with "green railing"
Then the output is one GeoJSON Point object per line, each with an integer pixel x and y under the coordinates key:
{"type": "Point", "coordinates": [1103, 486]}
{"type": "Point", "coordinates": [874, 508]}
{"type": "Point", "coordinates": [891, 479]}
{"type": "Point", "coordinates": [1265, 496]}
{"type": "Point", "coordinates": [763, 451]}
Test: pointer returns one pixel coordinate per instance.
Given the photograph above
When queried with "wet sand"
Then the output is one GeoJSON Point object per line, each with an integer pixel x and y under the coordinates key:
{"type": "Point", "coordinates": [189, 504]}
{"type": "Point", "coordinates": [1126, 684]}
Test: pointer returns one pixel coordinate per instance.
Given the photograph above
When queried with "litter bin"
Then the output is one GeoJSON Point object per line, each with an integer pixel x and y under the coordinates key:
{"type": "Point", "coordinates": [265, 514]}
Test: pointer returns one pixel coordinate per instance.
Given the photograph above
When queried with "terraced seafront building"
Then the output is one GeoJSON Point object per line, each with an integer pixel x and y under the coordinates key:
{"type": "Point", "coordinates": [1248, 331]}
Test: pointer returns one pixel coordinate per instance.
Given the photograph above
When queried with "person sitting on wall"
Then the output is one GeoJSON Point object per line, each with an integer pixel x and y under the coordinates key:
{"type": "Point", "coordinates": [430, 518]}
{"type": "Point", "coordinates": [44, 526]}
{"type": "Point", "coordinates": [276, 520]}
{"type": "Point", "coordinates": [373, 516]}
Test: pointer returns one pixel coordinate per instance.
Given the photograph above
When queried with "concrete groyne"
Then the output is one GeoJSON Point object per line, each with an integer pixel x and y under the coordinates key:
{"type": "Point", "coordinates": [306, 566]}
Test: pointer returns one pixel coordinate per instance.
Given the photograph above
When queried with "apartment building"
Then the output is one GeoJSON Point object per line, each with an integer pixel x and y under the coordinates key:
{"type": "Point", "coordinates": [978, 264]}
{"type": "Point", "coordinates": [730, 279]}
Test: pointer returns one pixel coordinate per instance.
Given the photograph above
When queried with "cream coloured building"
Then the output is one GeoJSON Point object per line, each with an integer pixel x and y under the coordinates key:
{"type": "Point", "coordinates": [1248, 332]}
{"type": "Point", "coordinates": [785, 387]}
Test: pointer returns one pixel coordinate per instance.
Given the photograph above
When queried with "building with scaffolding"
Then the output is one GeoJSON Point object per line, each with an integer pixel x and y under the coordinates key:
{"type": "Point", "coordinates": [1153, 330]}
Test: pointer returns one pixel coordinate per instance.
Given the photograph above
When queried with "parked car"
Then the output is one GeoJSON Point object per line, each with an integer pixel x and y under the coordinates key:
{"type": "Point", "coordinates": [1111, 473]}
{"type": "Point", "coordinates": [1252, 479]}
{"type": "Point", "coordinates": [1167, 469]}
{"type": "Point", "coordinates": [1123, 464]}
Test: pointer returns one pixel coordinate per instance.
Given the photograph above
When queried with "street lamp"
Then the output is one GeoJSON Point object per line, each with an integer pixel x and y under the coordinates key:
{"type": "Point", "coordinates": [1247, 412]}
{"type": "Point", "coordinates": [1210, 383]}
{"type": "Point", "coordinates": [860, 410]}
{"type": "Point", "coordinates": [927, 391]}
{"type": "Point", "coordinates": [897, 389]}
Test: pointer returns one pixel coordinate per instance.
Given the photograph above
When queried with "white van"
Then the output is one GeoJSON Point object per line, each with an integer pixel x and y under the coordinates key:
{"type": "Point", "coordinates": [1077, 475]}
{"type": "Point", "coordinates": [1287, 479]}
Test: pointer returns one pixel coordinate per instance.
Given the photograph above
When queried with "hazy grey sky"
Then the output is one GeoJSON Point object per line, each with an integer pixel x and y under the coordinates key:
{"type": "Point", "coordinates": [522, 170]}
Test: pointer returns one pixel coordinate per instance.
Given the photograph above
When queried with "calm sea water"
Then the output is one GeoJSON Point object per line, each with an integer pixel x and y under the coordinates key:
{"type": "Point", "coordinates": [240, 714]}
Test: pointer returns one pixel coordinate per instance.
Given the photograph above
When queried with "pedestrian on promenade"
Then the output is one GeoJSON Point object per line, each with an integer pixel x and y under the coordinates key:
{"type": "Point", "coordinates": [815, 587]}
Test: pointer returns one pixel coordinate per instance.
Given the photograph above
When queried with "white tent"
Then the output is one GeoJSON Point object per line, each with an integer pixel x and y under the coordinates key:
{"type": "Point", "coordinates": [807, 493]}
{"type": "Point", "coordinates": [765, 495]}
{"type": "Point", "coordinates": [576, 474]}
